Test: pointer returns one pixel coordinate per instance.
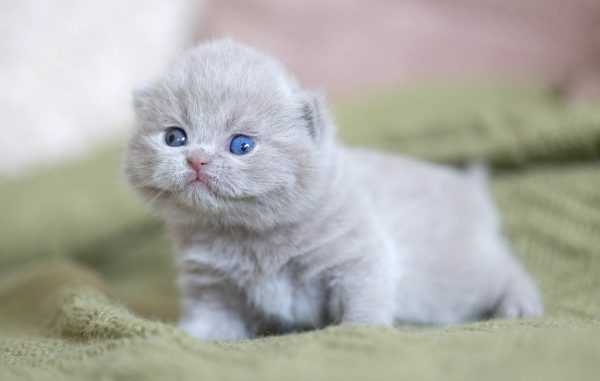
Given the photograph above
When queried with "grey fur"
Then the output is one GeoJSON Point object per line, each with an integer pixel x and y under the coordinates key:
{"type": "Point", "coordinates": [303, 232]}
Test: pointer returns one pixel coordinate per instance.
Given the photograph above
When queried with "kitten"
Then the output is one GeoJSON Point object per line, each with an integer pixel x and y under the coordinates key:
{"type": "Point", "coordinates": [279, 227]}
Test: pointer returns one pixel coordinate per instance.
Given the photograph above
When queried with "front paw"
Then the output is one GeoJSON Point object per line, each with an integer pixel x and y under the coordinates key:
{"type": "Point", "coordinates": [521, 301]}
{"type": "Point", "coordinates": [218, 330]}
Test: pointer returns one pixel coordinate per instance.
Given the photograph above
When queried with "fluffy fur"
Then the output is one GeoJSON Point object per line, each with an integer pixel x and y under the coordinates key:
{"type": "Point", "coordinates": [303, 232]}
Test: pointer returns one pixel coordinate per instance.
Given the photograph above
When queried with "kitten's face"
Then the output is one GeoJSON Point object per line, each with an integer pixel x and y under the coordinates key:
{"type": "Point", "coordinates": [226, 134]}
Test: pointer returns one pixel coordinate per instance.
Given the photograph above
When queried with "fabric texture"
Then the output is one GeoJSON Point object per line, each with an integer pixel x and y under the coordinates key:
{"type": "Point", "coordinates": [87, 280]}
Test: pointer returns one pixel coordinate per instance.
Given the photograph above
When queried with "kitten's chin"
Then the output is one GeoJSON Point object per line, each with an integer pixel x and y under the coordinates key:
{"type": "Point", "coordinates": [196, 205]}
{"type": "Point", "coordinates": [198, 201]}
{"type": "Point", "coordinates": [198, 185]}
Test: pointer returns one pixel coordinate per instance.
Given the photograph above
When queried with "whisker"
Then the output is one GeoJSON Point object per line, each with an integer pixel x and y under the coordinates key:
{"type": "Point", "coordinates": [157, 195]}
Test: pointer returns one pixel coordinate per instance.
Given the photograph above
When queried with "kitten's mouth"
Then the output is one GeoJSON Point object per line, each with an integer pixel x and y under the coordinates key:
{"type": "Point", "coordinates": [198, 181]}
{"type": "Point", "coordinates": [201, 185]}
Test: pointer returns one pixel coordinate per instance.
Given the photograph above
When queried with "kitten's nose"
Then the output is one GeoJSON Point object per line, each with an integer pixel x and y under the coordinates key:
{"type": "Point", "coordinates": [197, 158]}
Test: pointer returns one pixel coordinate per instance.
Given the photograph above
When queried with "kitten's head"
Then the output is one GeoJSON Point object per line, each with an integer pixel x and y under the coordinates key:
{"type": "Point", "coordinates": [228, 136]}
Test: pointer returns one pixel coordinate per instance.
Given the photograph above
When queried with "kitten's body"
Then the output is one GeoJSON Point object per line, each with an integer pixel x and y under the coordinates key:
{"type": "Point", "coordinates": [318, 233]}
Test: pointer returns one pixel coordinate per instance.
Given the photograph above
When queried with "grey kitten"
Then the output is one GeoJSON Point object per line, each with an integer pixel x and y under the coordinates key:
{"type": "Point", "coordinates": [279, 227]}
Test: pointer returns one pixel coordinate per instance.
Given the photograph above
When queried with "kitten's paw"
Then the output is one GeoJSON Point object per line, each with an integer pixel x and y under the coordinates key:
{"type": "Point", "coordinates": [218, 331]}
{"type": "Point", "coordinates": [521, 302]}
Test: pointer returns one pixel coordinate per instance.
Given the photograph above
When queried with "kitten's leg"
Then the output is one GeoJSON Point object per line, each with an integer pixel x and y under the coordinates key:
{"type": "Point", "coordinates": [363, 289]}
{"type": "Point", "coordinates": [520, 298]}
{"type": "Point", "coordinates": [211, 311]}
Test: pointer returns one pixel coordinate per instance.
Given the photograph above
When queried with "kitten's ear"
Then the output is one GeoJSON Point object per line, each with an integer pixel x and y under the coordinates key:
{"type": "Point", "coordinates": [315, 116]}
{"type": "Point", "coordinates": [142, 95]}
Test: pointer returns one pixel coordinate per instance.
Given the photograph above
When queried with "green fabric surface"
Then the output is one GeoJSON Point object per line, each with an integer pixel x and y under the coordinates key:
{"type": "Point", "coordinates": [87, 280]}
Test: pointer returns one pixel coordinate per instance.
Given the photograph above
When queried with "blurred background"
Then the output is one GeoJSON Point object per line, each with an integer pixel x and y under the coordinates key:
{"type": "Point", "coordinates": [67, 67]}
{"type": "Point", "coordinates": [515, 83]}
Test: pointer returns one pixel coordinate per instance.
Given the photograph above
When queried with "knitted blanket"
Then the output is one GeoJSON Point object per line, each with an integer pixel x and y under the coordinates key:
{"type": "Point", "coordinates": [87, 280]}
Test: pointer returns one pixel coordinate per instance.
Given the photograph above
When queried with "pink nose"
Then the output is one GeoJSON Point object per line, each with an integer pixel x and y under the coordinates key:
{"type": "Point", "coordinates": [197, 159]}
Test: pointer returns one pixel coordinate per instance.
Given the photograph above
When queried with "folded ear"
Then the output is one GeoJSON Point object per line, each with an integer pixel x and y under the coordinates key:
{"type": "Point", "coordinates": [314, 115]}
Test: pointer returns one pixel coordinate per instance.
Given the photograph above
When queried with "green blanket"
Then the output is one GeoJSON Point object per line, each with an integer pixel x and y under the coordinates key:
{"type": "Point", "coordinates": [86, 275]}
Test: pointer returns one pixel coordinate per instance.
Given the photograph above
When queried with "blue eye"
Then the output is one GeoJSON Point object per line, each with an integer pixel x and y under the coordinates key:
{"type": "Point", "coordinates": [241, 145]}
{"type": "Point", "coordinates": [175, 137]}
